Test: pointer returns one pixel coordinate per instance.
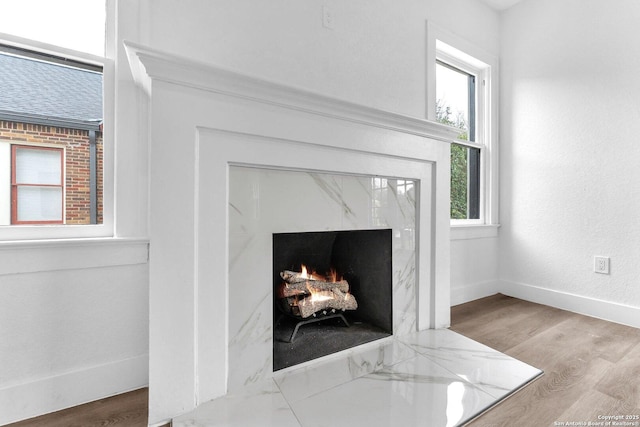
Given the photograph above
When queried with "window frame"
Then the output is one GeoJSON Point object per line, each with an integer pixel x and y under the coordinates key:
{"type": "Point", "coordinates": [37, 232]}
{"type": "Point", "coordinates": [477, 125]}
{"type": "Point", "coordinates": [457, 52]}
{"type": "Point", "coordinates": [15, 185]}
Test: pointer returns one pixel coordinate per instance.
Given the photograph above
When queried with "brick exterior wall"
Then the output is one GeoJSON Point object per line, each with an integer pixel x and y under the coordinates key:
{"type": "Point", "coordinates": [77, 172]}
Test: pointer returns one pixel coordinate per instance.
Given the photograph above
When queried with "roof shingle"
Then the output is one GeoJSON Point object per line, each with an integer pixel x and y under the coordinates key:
{"type": "Point", "coordinates": [47, 91]}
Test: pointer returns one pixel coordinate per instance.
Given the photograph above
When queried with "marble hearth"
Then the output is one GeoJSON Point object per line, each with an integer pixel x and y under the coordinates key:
{"type": "Point", "coordinates": [434, 378]}
{"type": "Point", "coordinates": [222, 146]}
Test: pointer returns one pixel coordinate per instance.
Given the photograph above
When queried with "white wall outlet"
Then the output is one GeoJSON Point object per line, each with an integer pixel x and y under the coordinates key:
{"type": "Point", "coordinates": [328, 20]}
{"type": "Point", "coordinates": [601, 264]}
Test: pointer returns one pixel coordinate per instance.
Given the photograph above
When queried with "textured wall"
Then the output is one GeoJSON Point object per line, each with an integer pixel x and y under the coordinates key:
{"type": "Point", "coordinates": [569, 151]}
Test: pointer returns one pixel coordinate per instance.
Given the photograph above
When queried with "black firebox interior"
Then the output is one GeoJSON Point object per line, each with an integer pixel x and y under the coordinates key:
{"type": "Point", "coordinates": [363, 258]}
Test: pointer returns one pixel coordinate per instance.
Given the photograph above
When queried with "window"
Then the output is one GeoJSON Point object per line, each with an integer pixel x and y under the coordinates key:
{"type": "Point", "coordinates": [51, 117]}
{"type": "Point", "coordinates": [456, 106]}
{"type": "Point", "coordinates": [462, 95]}
{"type": "Point", "coordinates": [56, 115]}
{"type": "Point", "coordinates": [37, 185]}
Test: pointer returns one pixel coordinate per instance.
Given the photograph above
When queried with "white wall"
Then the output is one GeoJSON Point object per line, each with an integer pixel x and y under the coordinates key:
{"type": "Point", "coordinates": [73, 324]}
{"type": "Point", "coordinates": [74, 312]}
{"type": "Point", "coordinates": [569, 174]}
{"type": "Point", "coordinates": [474, 269]}
{"type": "Point", "coordinates": [375, 55]}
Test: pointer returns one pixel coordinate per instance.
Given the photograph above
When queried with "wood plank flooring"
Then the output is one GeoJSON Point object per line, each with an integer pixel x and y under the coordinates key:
{"type": "Point", "coordinates": [124, 410]}
{"type": "Point", "coordinates": [592, 368]}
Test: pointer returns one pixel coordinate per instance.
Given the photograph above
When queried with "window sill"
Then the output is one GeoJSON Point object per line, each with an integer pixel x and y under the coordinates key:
{"type": "Point", "coordinates": [475, 231]}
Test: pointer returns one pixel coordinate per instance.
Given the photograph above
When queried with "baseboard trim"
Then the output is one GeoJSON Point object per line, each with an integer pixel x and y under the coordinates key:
{"type": "Point", "coordinates": [472, 292]}
{"type": "Point", "coordinates": [43, 396]}
{"type": "Point", "coordinates": [606, 310]}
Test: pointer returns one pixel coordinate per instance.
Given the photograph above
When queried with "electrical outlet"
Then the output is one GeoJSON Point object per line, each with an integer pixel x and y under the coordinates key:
{"type": "Point", "coordinates": [601, 264]}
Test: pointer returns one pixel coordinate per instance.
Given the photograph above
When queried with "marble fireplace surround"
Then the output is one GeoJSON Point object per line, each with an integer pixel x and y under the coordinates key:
{"type": "Point", "coordinates": [202, 121]}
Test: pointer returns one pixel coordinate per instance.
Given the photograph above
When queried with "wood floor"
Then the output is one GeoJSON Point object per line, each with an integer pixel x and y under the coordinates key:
{"type": "Point", "coordinates": [124, 410]}
{"type": "Point", "coordinates": [592, 368]}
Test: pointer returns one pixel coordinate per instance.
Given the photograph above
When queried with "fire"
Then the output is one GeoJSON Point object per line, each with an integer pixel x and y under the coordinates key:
{"type": "Point", "coordinates": [305, 293]}
{"type": "Point", "coordinates": [331, 277]}
{"type": "Point", "coordinates": [318, 296]}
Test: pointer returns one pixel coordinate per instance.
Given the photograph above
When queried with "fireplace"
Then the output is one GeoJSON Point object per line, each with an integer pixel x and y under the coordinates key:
{"type": "Point", "coordinates": [210, 265]}
{"type": "Point", "coordinates": [361, 226]}
{"type": "Point", "coordinates": [332, 290]}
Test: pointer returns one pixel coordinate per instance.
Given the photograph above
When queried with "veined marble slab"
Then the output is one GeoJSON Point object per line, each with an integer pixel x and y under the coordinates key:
{"type": "Point", "coordinates": [492, 371]}
{"type": "Point", "coordinates": [434, 378]}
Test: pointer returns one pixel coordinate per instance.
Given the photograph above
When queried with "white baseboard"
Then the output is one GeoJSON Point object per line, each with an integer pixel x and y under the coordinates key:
{"type": "Point", "coordinates": [606, 310]}
{"type": "Point", "coordinates": [471, 292]}
{"type": "Point", "coordinates": [42, 396]}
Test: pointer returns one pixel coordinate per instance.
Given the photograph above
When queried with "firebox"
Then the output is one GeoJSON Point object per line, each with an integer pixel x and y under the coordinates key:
{"type": "Point", "coordinates": [332, 290]}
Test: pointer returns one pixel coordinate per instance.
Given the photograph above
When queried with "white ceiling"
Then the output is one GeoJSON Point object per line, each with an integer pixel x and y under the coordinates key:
{"type": "Point", "coordinates": [501, 4]}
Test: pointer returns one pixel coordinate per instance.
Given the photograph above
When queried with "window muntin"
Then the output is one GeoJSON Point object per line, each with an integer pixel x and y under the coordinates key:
{"type": "Point", "coordinates": [37, 185]}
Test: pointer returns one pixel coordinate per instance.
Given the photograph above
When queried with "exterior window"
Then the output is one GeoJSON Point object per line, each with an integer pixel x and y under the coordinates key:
{"type": "Point", "coordinates": [63, 121]}
{"type": "Point", "coordinates": [458, 104]}
{"type": "Point", "coordinates": [56, 115]}
{"type": "Point", "coordinates": [37, 185]}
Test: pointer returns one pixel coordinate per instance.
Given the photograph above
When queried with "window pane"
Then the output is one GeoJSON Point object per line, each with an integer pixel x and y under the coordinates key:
{"type": "Point", "coordinates": [73, 24]}
{"type": "Point", "coordinates": [38, 166]}
{"type": "Point", "coordinates": [465, 182]}
{"type": "Point", "coordinates": [455, 106]}
{"type": "Point", "coordinates": [453, 103]}
{"type": "Point", "coordinates": [39, 203]}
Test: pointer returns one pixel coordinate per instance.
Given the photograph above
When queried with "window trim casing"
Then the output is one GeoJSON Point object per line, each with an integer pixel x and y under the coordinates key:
{"type": "Point", "coordinates": [453, 49]}
{"type": "Point", "coordinates": [27, 232]}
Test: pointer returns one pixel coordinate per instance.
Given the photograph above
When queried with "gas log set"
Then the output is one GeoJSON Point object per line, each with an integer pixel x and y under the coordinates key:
{"type": "Point", "coordinates": [332, 290]}
{"type": "Point", "coordinates": [303, 294]}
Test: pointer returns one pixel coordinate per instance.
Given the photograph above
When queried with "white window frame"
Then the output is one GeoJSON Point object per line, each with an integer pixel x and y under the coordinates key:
{"type": "Point", "coordinates": [10, 233]}
{"type": "Point", "coordinates": [459, 53]}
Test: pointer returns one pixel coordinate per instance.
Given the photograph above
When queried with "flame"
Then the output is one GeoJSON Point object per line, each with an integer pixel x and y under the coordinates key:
{"type": "Point", "coordinates": [331, 277]}
{"type": "Point", "coordinates": [317, 296]}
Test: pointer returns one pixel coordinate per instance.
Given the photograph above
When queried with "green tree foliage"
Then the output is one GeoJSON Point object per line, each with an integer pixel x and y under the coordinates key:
{"type": "Point", "coordinates": [459, 155]}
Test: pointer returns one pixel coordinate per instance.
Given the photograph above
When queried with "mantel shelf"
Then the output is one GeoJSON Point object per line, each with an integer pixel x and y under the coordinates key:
{"type": "Point", "coordinates": [149, 64]}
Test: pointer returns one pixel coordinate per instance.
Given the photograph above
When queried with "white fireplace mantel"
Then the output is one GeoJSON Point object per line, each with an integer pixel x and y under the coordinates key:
{"type": "Point", "coordinates": [202, 120]}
